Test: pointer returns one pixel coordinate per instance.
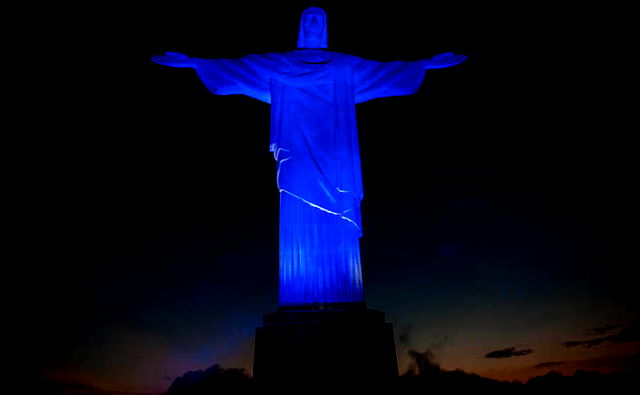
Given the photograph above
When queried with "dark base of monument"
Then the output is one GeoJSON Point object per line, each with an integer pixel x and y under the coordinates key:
{"type": "Point", "coordinates": [325, 343]}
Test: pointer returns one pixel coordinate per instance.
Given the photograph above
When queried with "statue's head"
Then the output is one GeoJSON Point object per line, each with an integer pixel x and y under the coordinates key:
{"type": "Point", "coordinates": [313, 29]}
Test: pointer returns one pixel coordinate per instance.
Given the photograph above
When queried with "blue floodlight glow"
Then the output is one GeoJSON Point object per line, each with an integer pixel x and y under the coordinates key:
{"type": "Point", "coordinates": [314, 140]}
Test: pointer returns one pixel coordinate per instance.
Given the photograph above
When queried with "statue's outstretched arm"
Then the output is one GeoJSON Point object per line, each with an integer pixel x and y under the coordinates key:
{"type": "Point", "coordinates": [174, 59]}
{"type": "Point", "coordinates": [443, 60]}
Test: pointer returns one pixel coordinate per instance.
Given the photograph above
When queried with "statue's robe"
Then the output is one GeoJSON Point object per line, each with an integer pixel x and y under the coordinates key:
{"type": "Point", "coordinates": [314, 139]}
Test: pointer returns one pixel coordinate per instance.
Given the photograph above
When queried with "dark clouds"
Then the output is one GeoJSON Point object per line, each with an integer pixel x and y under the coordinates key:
{"type": "Point", "coordinates": [508, 353]}
{"type": "Point", "coordinates": [585, 343]}
{"type": "Point", "coordinates": [603, 330]}
{"type": "Point", "coordinates": [628, 334]}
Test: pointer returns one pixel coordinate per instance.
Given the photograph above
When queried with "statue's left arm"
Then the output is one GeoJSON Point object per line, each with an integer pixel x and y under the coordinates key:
{"type": "Point", "coordinates": [374, 79]}
{"type": "Point", "coordinates": [443, 60]}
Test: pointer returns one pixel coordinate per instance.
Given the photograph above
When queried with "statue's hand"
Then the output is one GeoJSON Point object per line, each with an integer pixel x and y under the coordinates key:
{"type": "Point", "coordinates": [444, 60]}
{"type": "Point", "coordinates": [174, 59]}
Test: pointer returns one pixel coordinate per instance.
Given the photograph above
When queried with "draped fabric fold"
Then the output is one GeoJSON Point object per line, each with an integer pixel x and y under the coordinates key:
{"type": "Point", "coordinates": [314, 140]}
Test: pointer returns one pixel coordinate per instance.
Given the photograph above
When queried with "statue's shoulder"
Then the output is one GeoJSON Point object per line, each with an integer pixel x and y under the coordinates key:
{"type": "Point", "coordinates": [345, 58]}
{"type": "Point", "coordinates": [269, 56]}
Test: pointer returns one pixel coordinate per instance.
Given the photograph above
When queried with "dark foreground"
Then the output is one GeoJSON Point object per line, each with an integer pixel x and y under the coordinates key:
{"type": "Point", "coordinates": [217, 380]}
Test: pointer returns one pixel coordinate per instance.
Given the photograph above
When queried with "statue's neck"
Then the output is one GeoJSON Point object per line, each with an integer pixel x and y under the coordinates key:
{"type": "Point", "coordinates": [313, 42]}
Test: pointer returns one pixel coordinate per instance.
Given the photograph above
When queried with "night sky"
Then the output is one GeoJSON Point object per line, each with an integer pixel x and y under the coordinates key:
{"type": "Point", "coordinates": [497, 215]}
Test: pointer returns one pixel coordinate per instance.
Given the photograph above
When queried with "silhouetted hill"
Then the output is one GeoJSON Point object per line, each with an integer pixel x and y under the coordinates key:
{"type": "Point", "coordinates": [424, 377]}
{"type": "Point", "coordinates": [210, 381]}
{"type": "Point", "coordinates": [583, 382]}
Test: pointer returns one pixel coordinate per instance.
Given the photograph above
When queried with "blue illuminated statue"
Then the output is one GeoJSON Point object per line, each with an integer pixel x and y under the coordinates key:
{"type": "Point", "coordinates": [313, 93]}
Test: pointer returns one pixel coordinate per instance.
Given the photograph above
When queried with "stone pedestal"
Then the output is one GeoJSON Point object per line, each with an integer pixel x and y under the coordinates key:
{"type": "Point", "coordinates": [349, 343]}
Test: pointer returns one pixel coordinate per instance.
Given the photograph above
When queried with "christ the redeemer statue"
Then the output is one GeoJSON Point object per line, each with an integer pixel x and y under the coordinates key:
{"type": "Point", "coordinates": [313, 93]}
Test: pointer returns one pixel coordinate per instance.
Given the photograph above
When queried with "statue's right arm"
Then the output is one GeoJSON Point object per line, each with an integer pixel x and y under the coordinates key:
{"type": "Point", "coordinates": [174, 59]}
